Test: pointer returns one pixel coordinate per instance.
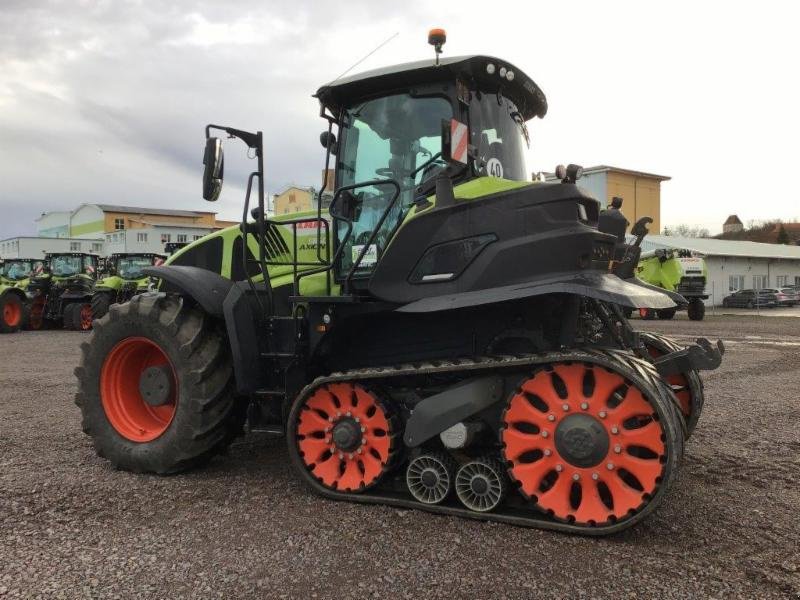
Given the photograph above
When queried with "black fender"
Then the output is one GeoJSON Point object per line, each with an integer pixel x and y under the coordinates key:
{"type": "Point", "coordinates": [601, 286]}
{"type": "Point", "coordinates": [224, 299]}
{"type": "Point", "coordinates": [677, 298]}
{"type": "Point", "coordinates": [207, 288]}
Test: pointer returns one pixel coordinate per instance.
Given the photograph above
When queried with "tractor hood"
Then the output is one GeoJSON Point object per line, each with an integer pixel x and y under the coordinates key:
{"type": "Point", "coordinates": [530, 100]}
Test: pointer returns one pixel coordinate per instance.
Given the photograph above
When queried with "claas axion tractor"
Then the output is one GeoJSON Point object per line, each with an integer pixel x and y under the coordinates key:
{"type": "Point", "coordinates": [123, 279]}
{"type": "Point", "coordinates": [449, 337]}
{"type": "Point", "coordinates": [61, 293]}
{"type": "Point", "coordinates": [15, 273]}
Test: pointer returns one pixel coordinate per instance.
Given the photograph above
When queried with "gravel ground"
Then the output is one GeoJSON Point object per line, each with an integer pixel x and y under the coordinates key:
{"type": "Point", "coordinates": [71, 526]}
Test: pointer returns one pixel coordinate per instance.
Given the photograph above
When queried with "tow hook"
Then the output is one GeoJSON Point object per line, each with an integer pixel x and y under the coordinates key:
{"type": "Point", "coordinates": [700, 356]}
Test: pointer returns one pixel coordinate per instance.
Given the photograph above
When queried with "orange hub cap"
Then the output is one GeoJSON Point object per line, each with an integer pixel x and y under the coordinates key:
{"type": "Point", "coordinates": [583, 443]}
{"type": "Point", "coordinates": [343, 435]}
{"type": "Point", "coordinates": [127, 412]}
{"type": "Point", "coordinates": [12, 313]}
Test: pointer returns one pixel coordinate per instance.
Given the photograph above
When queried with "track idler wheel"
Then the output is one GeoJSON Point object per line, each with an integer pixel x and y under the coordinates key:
{"type": "Point", "coordinates": [430, 477]}
{"type": "Point", "coordinates": [481, 484]}
{"type": "Point", "coordinates": [344, 436]}
{"type": "Point", "coordinates": [588, 445]}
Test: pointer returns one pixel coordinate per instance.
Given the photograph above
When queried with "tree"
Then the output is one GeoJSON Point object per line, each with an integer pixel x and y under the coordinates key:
{"type": "Point", "coordinates": [692, 231]}
{"type": "Point", "coordinates": [783, 237]}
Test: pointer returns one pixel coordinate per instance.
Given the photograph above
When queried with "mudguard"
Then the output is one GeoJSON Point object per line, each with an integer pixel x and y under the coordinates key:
{"type": "Point", "coordinates": [677, 298]}
{"type": "Point", "coordinates": [601, 286]}
{"type": "Point", "coordinates": [207, 288]}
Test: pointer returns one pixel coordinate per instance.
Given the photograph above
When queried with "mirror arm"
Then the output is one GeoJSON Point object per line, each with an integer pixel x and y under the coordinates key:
{"type": "Point", "coordinates": [251, 139]}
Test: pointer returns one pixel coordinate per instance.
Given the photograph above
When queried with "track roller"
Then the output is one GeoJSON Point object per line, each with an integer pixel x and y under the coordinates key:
{"type": "Point", "coordinates": [481, 484]}
{"type": "Point", "coordinates": [430, 477]}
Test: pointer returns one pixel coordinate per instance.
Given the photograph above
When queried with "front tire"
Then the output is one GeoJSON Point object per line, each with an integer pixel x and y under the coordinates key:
{"type": "Point", "coordinates": [193, 416]}
{"type": "Point", "coordinates": [101, 302]}
{"type": "Point", "coordinates": [666, 314]}
{"type": "Point", "coordinates": [696, 309]}
{"type": "Point", "coordinates": [12, 313]}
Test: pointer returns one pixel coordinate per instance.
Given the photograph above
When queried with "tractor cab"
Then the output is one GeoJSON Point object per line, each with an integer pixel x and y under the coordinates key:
{"type": "Point", "coordinates": [16, 271]}
{"type": "Point", "coordinates": [401, 128]}
{"type": "Point", "coordinates": [129, 266]}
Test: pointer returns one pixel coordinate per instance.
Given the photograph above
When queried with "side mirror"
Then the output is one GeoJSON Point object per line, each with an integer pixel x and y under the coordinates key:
{"type": "Point", "coordinates": [214, 162]}
{"type": "Point", "coordinates": [328, 141]}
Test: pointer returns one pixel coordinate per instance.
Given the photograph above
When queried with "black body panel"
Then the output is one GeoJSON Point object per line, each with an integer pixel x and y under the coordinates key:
{"type": "Point", "coordinates": [542, 246]}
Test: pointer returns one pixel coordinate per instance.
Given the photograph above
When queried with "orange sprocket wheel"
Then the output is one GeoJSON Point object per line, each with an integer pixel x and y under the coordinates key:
{"type": "Point", "coordinates": [344, 437]}
{"type": "Point", "coordinates": [583, 443]}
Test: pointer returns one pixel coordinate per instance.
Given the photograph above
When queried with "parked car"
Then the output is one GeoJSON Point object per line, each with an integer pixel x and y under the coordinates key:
{"type": "Point", "coordinates": [765, 298]}
{"type": "Point", "coordinates": [788, 296]}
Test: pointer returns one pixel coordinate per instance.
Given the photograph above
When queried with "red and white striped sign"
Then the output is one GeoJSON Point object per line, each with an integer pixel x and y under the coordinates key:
{"type": "Point", "coordinates": [459, 140]}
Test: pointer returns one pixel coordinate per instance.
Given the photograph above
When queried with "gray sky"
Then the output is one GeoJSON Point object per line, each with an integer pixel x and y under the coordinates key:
{"type": "Point", "coordinates": [106, 101]}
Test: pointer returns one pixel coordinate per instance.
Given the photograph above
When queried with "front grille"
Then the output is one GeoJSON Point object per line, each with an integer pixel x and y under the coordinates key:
{"type": "Point", "coordinates": [692, 284]}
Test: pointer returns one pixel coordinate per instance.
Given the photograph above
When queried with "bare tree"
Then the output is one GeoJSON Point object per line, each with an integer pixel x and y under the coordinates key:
{"type": "Point", "coordinates": [692, 231]}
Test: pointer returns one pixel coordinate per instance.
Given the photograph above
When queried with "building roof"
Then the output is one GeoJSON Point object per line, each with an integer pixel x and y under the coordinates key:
{"type": "Point", "coordinates": [715, 247]}
{"type": "Point", "coordinates": [141, 210]}
{"type": "Point", "coordinates": [607, 168]}
{"type": "Point", "coordinates": [42, 237]}
{"type": "Point", "coordinates": [732, 220]}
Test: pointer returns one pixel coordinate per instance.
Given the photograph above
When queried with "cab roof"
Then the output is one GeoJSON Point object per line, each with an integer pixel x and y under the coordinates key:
{"type": "Point", "coordinates": [528, 97]}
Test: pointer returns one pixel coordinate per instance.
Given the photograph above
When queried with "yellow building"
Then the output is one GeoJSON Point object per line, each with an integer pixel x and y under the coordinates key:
{"type": "Point", "coordinates": [293, 200]}
{"type": "Point", "coordinates": [640, 192]}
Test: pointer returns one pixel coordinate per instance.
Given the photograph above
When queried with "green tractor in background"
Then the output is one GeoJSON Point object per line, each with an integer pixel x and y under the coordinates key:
{"type": "Point", "coordinates": [123, 280]}
{"type": "Point", "coordinates": [15, 274]}
{"type": "Point", "coordinates": [62, 292]}
{"type": "Point", "coordinates": [676, 270]}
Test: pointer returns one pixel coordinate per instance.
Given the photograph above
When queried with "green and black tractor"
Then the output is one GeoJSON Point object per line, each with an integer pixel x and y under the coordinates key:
{"type": "Point", "coordinates": [447, 336]}
{"type": "Point", "coordinates": [15, 273]}
{"type": "Point", "coordinates": [123, 278]}
{"type": "Point", "coordinates": [61, 295]}
{"type": "Point", "coordinates": [677, 270]}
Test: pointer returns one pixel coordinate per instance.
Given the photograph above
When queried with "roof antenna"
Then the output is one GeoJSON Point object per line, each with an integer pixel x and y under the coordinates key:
{"type": "Point", "coordinates": [436, 38]}
{"type": "Point", "coordinates": [378, 47]}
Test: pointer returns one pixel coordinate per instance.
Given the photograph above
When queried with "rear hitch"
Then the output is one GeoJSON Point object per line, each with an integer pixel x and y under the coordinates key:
{"type": "Point", "coordinates": [701, 356]}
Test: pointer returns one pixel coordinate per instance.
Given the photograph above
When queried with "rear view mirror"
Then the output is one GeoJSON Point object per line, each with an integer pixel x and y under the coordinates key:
{"type": "Point", "coordinates": [214, 162]}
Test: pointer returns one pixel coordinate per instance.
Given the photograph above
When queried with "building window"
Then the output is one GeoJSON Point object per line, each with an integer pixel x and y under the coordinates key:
{"type": "Point", "coordinates": [782, 281]}
{"type": "Point", "coordinates": [760, 282]}
{"type": "Point", "coordinates": [119, 224]}
{"type": "Point", "coordinates": [166, 238]}
{"type": "Point", "coordinates": [109, 238]}
{"type": "Point", "coordinates": [74, 246]}
{"type": "Point", "coordinates": [196, 237]}
{"type": "Point", "coordinates": [181, 238]}
{"type": "Point", "coordinates": [735, 283]}
{"type": "Point", "coordinates": [97, 247]}
{"type": "Point", "coordinates": [141, 237]}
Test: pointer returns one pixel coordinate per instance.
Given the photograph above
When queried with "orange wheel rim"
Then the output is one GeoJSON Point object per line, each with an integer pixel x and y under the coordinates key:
{"type": "Point", "coordinates": [343, 436]}
{"type": "Point", "coordinates": [126, 411]}
{"type": "Point", "coordinates": [679, 384]}
{"type": "Point", "coordinates": [12, 313]}
{"type": "Point", "coordinates": [86, 317]}
{"type": "Point", "coordinates": [583, 443]}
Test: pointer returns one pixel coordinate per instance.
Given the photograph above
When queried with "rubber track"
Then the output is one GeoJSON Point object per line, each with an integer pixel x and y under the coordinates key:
{"type": "Point", "coordinates": [637, 370]}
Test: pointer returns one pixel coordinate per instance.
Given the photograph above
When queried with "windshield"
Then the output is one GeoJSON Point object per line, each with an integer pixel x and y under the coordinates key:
{"type": "Point", "coordinates": [130, 267]}
{"type": "Point", "coordinates": [500, 136]}
{"type": "Point", "coordinates": [67, 265]}
{"type": "Point", "coordinates": [16, 270]}
{"type": "Point", "coordinates": [395, 137]}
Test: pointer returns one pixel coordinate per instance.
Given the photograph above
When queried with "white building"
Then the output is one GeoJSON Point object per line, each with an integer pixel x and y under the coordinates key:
{"type": "Point", "coordinates": [152, 238]}
{"type": "Point", "coordinates": [735, 265]}
{"type": "Point", "coordinates": [36, 247]}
